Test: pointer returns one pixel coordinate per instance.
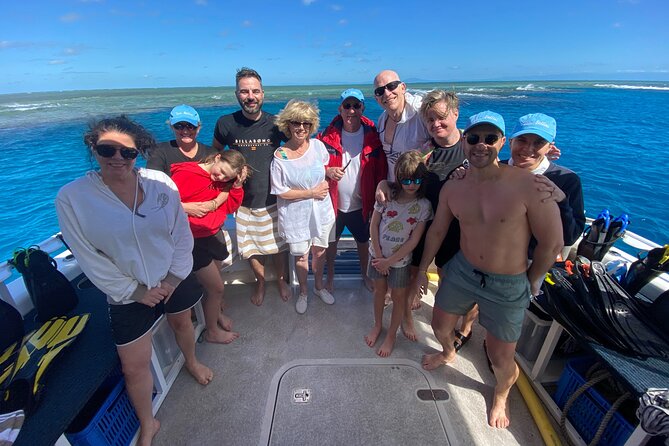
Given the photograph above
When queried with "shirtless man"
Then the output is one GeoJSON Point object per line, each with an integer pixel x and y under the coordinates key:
{"type": "Point", "coordinates": [499, 209]}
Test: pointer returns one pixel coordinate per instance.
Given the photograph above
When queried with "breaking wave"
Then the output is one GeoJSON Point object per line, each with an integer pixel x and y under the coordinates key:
{"type": "Point", "coordinates": [632, 87]}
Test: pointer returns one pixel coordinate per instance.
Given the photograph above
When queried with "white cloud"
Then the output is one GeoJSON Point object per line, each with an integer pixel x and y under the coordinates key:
{"type": "Point", "coordinates": [348, 44]}
{"type": "Point", "coordinates": [247, 24]}
{"type": "Point", "coordinates": [201, 2]}
{"type": "Point", "coordinates": [57, 62]}
{"type": "Point", "coordinates": [307, 2]}
{"type": "Point", "coordinates": [335, 7]}
{"type": "Point", "coordinates": [343, 22]}
{"type": "Point", "coordinates": [70, 17]}
{"type": "Point", "coordinates": [617, 25]}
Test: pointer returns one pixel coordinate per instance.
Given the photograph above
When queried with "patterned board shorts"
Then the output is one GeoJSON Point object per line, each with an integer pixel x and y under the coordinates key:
{"type": "Point", "coordinates": [257, 232]}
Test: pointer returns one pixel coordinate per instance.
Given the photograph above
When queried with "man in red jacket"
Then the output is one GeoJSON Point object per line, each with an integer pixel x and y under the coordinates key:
{"type": "Point", "coordinates": [357, 164]}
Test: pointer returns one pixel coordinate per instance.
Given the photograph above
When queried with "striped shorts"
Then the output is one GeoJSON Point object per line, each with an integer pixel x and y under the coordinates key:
{"type": "Point", "coordinates": [257, 232]}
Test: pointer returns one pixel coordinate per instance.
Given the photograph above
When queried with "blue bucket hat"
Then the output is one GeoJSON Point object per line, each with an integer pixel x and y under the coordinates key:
{"type": "Point", "coordinates": [486, 117]}
{"type": "Point", "coordinates": [352, 93]}
{"type": "Point", "coordinates": [536, 124]}
{"type": "Point", "coordinates": [184, 113]}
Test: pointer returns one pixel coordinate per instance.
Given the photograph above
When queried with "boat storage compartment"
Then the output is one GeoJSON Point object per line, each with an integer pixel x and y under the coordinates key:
{"type": "Point", "coordinates": [587, 412]}
{"type": "Point", "coordinates": [534, 331]}
{"type": "Point", "coordinates": [110, 423]}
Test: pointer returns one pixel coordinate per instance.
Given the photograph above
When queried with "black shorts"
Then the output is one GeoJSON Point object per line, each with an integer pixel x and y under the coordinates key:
{"type": "Point", "coordinates": [209, 248]}
{"type": "Point", "coordinates": [449, 247]}
{"type": "Point", "coordinates": [132, 321]}
{"type": "Point", "coordinates": [355, 223]}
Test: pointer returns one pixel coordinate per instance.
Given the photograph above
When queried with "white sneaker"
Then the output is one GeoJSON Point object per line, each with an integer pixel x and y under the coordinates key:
{"type": "Point", "coordinates": [325, 296]}
{"type": "Point", "coordinates": [301, 304]}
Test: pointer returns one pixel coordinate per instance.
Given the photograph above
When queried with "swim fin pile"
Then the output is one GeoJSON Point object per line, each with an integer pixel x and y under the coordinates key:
{"type": "Point", "coordinates": [601, 235]}
{"type": "Point", "coordinates": [23, 364]}
{"type": "Point", "coordinates": [642, 271]}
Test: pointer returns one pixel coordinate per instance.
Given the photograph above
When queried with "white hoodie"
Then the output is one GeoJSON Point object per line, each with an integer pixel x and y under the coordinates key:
{"type": "Point", "coordinates": [123, 253]}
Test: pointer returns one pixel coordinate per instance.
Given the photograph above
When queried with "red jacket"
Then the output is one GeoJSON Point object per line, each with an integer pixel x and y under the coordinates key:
{"type": "Point", "coordinates": [373, 164]}
{"type": "Point", "coordinates": [195, 185]}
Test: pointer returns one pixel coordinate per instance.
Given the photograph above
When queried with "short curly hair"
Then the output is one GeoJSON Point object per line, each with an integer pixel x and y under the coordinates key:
{"type": "Point", "coordinates": [297, 111]}
{"type": "Point", "coordinates": [432, 98]}
{"type": "Point", "coordinates": [121, 124]}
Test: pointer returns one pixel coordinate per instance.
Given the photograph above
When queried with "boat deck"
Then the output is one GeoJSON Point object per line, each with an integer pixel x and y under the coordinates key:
{"type": "Point", "coordinates": [250, 401]}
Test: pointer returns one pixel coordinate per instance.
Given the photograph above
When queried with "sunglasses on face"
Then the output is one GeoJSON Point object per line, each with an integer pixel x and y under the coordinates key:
{"type": "Point", "coordinates": [489, 139]}
{"type": "Point", "coordinates": [348, 105]}
{"type": "Point", "coordinates": [107, 151]}
{"type": "Point", "coordinates": [390, 86]}
{"type": "Point", "coordinates": [184, 125]}
{"type": "Point", "coordinates": [408, 181]}
{"type": "Point", "coordinates": [300, 124]}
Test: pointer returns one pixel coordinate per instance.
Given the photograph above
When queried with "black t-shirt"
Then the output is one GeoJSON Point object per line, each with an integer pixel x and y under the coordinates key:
{"type": "Point", "coordinates": [440, 163]}
{"type": "Point", "coordinates": [256, 140]}
{"type": "Point", "coordinates": [164, 154]}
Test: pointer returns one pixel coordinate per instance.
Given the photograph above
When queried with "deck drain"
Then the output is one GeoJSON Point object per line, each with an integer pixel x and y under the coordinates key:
{"type": "Point", "coordinates": [301, 395]}
{"type": "Point", "coordinates": [432, 395]}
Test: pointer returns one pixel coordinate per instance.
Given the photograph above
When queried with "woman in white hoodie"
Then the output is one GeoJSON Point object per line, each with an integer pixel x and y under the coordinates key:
{"type": "Point", "coordinates": [130, 235]}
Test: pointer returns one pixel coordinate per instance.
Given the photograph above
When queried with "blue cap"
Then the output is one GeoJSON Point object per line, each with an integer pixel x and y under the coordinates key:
{"type": "Point", "coordinates": [486, 117]}
{"type": "Point", "coordinates": [352, 93]}
{"type": "Point", "coordinates": [184, 113]}
{"type": "Point", "coordinates": [537, 124]}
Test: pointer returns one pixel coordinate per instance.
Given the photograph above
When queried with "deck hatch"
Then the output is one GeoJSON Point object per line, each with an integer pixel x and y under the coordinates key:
{"type": "Point", "coordinates": [359, 403]}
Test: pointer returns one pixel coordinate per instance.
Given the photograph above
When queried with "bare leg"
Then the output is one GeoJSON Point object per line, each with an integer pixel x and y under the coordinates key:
{"type": "Point", "coordinates": [501, 356]}
{"type": "Point", "coordinates": [302, 270]}
{"type": "Point", "coordinates": [380, 286]}
{"type": "Point", "coordinates": [210, 278]}
{"type": "Point", "coordinates": [317, 265]}
{"type": "Point", "coordinates": [399, 298]}
{"type": "Point", "coordinates": [183, 331]}
{"type": "Point", "coordinates": [135, 360]}
{"type": "Point", "coordinates": [258, 266]}
{"type": "Point", "coordinates": [414, 301]}
{"type": "Point", "coordinates": [363, 255]}
{"type": "Point", "coordinates": [468, 320]}
{"type": "Point", "coordinates": [281, 267]}
{"type": "Point", "coordinates": [443, 325]}
{"type": "Point", "coordinates": [224, 320]}
{"type": "Point", "coordinates": [330, 256]}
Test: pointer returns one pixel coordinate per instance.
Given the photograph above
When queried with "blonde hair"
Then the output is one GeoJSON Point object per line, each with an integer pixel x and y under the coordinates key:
{"type": "Point", "coordinates": [297, 111]}
{"type": "Point", "coordinates": [233, 157]}
{"type": "Point", "coordinates": [432, 98]}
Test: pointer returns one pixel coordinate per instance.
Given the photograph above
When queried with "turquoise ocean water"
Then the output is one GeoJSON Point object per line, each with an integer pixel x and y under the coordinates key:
{"type": "Point", "coordinates": [614, 134]}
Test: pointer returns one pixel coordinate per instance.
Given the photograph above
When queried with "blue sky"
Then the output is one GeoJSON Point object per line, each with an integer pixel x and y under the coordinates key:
{"type": "Point", "coordinates": [88, 44]}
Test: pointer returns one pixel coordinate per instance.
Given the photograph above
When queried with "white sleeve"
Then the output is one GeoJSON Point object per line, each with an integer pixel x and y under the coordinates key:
{"type": "Point", "coordinates": [99, 268]}
{"type": "Point", "coordinates": [277, 178]}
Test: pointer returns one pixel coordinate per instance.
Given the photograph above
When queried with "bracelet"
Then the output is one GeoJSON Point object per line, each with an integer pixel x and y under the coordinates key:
{"type": "Point", "coordinates": [213, 205]}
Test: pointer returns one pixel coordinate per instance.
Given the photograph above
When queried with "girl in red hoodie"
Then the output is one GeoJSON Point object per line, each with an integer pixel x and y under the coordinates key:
{"type": "Point", "coordinates": [204, 182]}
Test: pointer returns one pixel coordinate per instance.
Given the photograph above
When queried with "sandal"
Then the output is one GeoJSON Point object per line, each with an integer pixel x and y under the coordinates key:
{"type": "Point", "coordinates": [461, 340]}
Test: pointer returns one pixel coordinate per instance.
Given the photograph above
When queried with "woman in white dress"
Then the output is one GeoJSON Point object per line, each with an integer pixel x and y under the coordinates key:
{"type": "Point", "coordinates": [305, 210]}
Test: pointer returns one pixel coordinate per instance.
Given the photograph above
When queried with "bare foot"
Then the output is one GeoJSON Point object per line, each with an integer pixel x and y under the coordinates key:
{"type": "Point", "coordinates": [436, 360]}
{"type": "Point", "coordinates": [372, 336]}
{"type": "Point", "coordinates": [415, 304]}
{"type": "Point", "coordinates": [259, 294]}
{"type": "Point", "coordinates": [200, 372]}
{"type": "Point", "coordinates": [145, 439]}
{"type": "Point", "coordinates": [220, 336]}
{"type": "Point", "coordinates": [499, 414]}
{"type": "Point", "coordinates": [409, 331]}
{"type": "Point", "coordinates": [225, 322]}
{"type": "Point", "coordinates": [284, 290]}
{"type": "Point", "coordinates": [387, 347]}
{"type": "Point", "coordinates": [369, 284]}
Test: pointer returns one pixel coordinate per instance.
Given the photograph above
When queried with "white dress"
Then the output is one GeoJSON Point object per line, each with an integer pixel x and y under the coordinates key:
{"type": "Point", "coordinates": [302, 220]}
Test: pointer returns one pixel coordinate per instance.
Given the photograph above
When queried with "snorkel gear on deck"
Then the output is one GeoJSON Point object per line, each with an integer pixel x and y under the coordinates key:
{"type": "Point", "coordinates": [642, 271]}
{"type": "Point", "coordinates": [602, 234]}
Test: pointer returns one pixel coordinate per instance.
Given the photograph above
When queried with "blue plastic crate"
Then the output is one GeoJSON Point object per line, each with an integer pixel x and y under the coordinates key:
{"type": "Point", "coordinates": [114, 424]}
{"type": "Point", "coordinates": [587, 412]}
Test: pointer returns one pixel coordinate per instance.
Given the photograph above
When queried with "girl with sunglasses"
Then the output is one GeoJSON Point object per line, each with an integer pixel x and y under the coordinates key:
{"type": "Point", "coordinates": [396, 227]}
{"type": "Point", "coordinates": [203, 182]}
{"type": "Point", "coordinates": [129, 234]}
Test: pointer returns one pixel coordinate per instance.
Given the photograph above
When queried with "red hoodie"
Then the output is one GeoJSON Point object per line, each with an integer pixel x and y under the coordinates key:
{"type": "Point", "coordinates": [195, 185]}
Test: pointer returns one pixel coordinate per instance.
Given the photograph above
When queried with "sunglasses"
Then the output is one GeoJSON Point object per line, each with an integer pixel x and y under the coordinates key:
{"type": "Point", "coordinates": [357, 105]}
{"type": "Point", "coordinates": [302, 124]}
{"type": "Point", "coordinates": [408, 181]}
{"type": "Point", "coordinates": [107, 151]}
{"type": "Point", "coordinates": [184, 125]}
{"type": "Point", "coordinates": [489, 139]}
{"type": "Point", "coordinates": [390, 86]}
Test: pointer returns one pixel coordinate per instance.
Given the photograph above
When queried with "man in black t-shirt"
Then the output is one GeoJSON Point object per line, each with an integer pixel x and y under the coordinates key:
{"type": "Point", "coordinates": [253, 133]}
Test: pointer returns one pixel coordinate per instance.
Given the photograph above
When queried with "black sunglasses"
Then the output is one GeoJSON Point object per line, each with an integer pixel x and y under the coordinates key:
{"type": "Point", "coordinates": [184, 125]}
{"type": "Point", "coordinates": [390, 86]}
{"type": "Point", "coordinates": [298, 123]}
{"type": "Point", "coordinates": [356, 106]}
{"type": "Point", "coordinates": [489, 139]}
{"type": "Point", "coordinates": [107, 151]}
{"type": "Point", "coordinates": [408, 181]}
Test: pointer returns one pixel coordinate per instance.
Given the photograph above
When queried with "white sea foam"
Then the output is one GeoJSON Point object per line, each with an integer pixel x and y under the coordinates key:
{"type": "Point", "coordinates": [632, 87]}
{"type": "Point", "coordinates": [27, 107]}
{"type": "Point", "coordinates": [492, 96]}
{"type": "Point", "coordinates": [530, 87]}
